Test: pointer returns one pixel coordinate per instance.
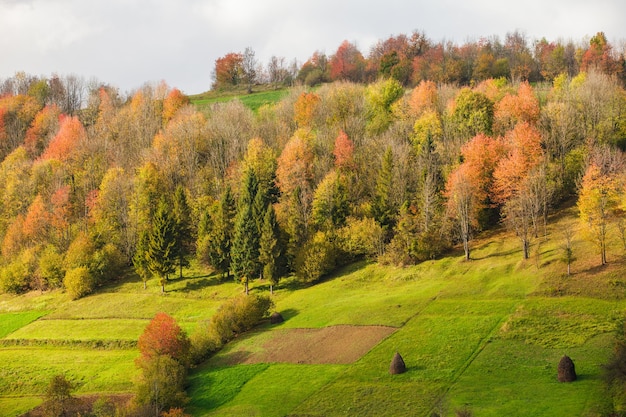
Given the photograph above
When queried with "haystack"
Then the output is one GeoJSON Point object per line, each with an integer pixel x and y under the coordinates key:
{"type": "Point", "coordinates": [276, 318]}
{"type": "Point", "coordinates": [397, 365]}
{"type": "Point", "coordinates": [567, 372]}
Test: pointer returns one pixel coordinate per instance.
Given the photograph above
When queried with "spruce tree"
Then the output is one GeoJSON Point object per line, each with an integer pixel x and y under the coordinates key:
{"type": "Point", "coordinates": [382, 209]}
{"type": "Point", "coordinates": [139, 259]}
{"type": "Point", "coordinates": [161, 254]}
{"type": "Point", "coordinates": [221, 233]}
{"type": "Point", "coordinates": [182, 215]}
{"type": "Point", "coordinates": [245, 246]}
{"type": "Point", "coordinates": [270, 250]}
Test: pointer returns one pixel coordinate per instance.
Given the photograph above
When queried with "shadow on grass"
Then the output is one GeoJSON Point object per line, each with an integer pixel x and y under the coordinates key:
{"type": "Point", "coordinates": [289, 313]}
{"type": "Point", "coordinates": [199, 283]}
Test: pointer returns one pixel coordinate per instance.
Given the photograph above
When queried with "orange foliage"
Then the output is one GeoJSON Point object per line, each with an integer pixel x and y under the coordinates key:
{"type": "Point", "coordinates": [524, 154]}
{"type": "Point", "coordinates": [305, 108]}
{"type": "Point", "coordinates": [228, 70]}
{"type": "Point", "coordinates": [70, 135]}
{"type": "Point", "coordinates": [163, 336]}
{"type": "Point", "coordinates": [172, 103]}
{"type": "Point", "coordinates": [106, 109]}
{"type": "Point", "coordinates": [61, 209]}
{"type": "Point", "coordinates": [481, 156]}
{"type": "Point", "coordinates": [343, 152]}
{"type": "Point", "coordinates": [295, 164]}
{"type": "Point", "coordinates": [14, 239]}
{"type": "Point", "coordinates": [523, 107]}
{"type": "Point", "coordinates": [45, 124]}
{"type": "Point", "coordinates": [36, 221]}
{"type": "Point", "coordinates": [347, 63]}
{"type": "Point", "coordinates": [424, 97]}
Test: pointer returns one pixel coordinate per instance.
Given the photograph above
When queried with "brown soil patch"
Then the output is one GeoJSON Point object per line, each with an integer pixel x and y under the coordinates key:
{"type": "Point", "coordinates": [328, 345]}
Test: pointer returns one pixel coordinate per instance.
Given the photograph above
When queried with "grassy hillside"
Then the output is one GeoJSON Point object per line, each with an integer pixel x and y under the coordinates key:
{"type": "Point", "coordinates": [486, 334]}
{"type": "Point", "coordinates": [252, 100]}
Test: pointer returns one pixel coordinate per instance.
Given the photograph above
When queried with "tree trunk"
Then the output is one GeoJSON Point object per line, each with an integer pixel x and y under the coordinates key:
{"type": "Point", "coordinates": [569, 264]}
{"type": "Point", "coordinates": [145, 284]}
{"type": "Point", "coordinates": [526, 248]}
{"type": "Point", "coordinates": [466, 248]}
{"type": "Point", "coordinates": [245, 284]}
{"type": "Point", "coordinates": [271, 289]}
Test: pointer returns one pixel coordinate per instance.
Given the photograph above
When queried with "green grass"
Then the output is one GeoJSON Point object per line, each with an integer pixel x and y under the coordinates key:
{"type": "Point", "coordinates": [27, 371]}
{"type": "Point", "coordinates": [486, 334]}
{"type": "Point", "coordinates": [252, 389]}
{"type": "Point", "coordinates": [510, 376]}
{"type": "Point", "coordinates": [253, 100]}
{"type": "Point", "coordinates": [10, 322]}
{"type": "Point", "coordinates": [16, 406]}
{"type": "Point", "coordinates": [89, 329]}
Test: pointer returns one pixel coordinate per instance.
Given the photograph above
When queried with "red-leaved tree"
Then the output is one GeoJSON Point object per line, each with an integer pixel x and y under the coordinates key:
{"type": "Point", "coordinates": [163, 336]}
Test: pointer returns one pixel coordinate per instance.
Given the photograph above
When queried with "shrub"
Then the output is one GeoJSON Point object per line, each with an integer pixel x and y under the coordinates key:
{"type": "Point", "coordinates": [78, 282]}
{"type": "Point", "coordinates": [58, 397]}
{"type": "Point", "coordinates": [161, 384]}
{"type": "Point", "coordinates": [316, 259]}
{"type": "Point", "coordinates": [50, 268]}
{"type": "Point", "coordinates": [16, 276]}
{"type": "Point", "coordinates": [235, 316]}
{"type": "Point", "coordinates": [361, 238]}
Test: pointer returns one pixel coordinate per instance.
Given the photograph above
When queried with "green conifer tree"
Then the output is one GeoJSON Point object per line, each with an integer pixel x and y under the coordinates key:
{"type": "Point", "coordinates": [184, 238]}
{"type": "Point", "coordinates": [245, 245]}
{"type": "Point", "coordinates": [270, 248]}
{"type": "Point", "coordinates": [161, 254]}
{"type": "Point", "coordinates": [382, 209]}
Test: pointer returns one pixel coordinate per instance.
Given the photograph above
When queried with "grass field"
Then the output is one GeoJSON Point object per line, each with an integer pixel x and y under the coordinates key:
{"type": "Point", "coordinates": [253, 100]}
{"type": "Point", "coordinates": [485, 334]}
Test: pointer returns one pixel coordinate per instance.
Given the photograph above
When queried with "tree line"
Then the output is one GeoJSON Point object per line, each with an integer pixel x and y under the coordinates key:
{"type": "Point", "coordinates": [413, 58]}
{"type": "Point", "coordinates": [321, 178]}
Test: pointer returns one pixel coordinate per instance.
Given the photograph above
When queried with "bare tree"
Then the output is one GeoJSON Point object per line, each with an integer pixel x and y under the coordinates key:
{"type": "Point", "coordinates": [249, 66]}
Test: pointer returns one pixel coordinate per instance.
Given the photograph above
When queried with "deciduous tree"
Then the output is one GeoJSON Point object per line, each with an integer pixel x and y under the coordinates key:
{"type": "Point", "coordinates": [347, 63]}
{"type": "Point", "coordinates": [598, 200]}
{"type": "Point", "coordinates": [228, 71]}
{"type": "Point", "coordinates": [163, 336]}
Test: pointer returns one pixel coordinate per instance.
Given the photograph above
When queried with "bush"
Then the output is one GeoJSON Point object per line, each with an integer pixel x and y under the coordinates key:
{"type": "Point", "coordinates": [316, 259]}
{"type": "Point", "coordinates": [161, 384]}
{"type": "Point", "coordinates": [78, 282]}
{"type": "Point", "coordinates": [50, 269]}
{"type": "Point", "coordinates": [235, 316]}
{"type": "Point", "coordinates": [16, 276]}
{"type": "Point", "coordinates": [361, 238]}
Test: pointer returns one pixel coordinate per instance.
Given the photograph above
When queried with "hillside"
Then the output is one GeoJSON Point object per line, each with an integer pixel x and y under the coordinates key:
{"type": "Point", "coordinates": [486, 334]}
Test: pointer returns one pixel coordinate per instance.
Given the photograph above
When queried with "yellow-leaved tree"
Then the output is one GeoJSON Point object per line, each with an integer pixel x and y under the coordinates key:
{"type": "Point", "coordinates": [598, 201]}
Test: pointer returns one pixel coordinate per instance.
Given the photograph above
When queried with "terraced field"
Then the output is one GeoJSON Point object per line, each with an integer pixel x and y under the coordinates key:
{"type": "Point", "coordinates": [485, 334]}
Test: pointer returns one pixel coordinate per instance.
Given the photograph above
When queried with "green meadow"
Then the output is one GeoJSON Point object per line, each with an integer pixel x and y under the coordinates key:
{"type": "Point", "coordinates": [252, 100]}
{"type": "Point", "coordinates": [485, 334]}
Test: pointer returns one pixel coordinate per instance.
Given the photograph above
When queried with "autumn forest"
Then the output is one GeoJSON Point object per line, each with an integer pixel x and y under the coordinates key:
{"type": "Point", "coordinates": [404, 156]}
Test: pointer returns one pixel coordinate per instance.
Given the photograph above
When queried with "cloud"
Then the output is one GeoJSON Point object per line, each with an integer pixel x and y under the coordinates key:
{"type": "Point", "coordinates": [129, 42]}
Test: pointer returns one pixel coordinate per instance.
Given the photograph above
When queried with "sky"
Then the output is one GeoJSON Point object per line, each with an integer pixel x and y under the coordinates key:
{"type": "Point", "coordinates": [127, 43]}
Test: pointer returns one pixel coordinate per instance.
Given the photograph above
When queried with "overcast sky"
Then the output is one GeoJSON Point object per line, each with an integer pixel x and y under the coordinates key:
{"type": "Point", "coordinates": [129, 42]}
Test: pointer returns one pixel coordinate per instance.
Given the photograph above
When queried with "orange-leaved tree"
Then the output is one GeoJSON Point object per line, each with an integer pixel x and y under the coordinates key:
{"type": "Point", "coordinates": [163, 336]}
{"type": "Point", "coordinates": [305, 108]}
{"type": "Point", "coordinates": [67, 140]}
{"type": "Point", "coordinates": [520, 183]}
